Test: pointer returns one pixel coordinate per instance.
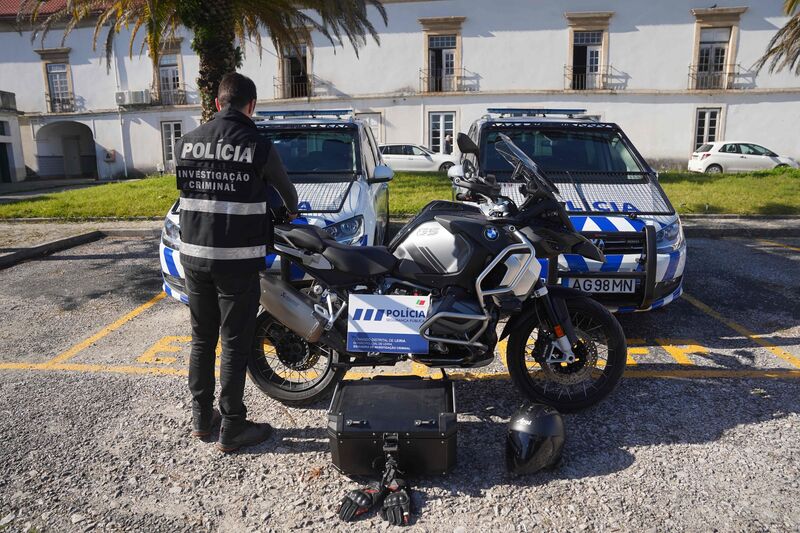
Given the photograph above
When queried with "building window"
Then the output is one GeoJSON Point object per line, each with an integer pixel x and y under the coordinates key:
{"type": "Point", "coordinates": [441, 63]}
{"type": "Point", "coordinates": [714, 60]}
{"type": "Point", "coordinates": [4, 129]}
{"type": "Point", "coordinates": [442, 71]}
{"type": "Point", "coordinates": [295, 69]}
{"type": "Point", "coordinates": [60, 96]}
{"type": "Point", "coordinates": [586, 49]}
{"type": "Point", "coordinates": [170, 90]}
{"type": "Point", "coordinates": [58, 79]}
{"type": "Point", "coordinates": [587, 60]}
{"type": "Point", "coordinates": [170, 133]}
{"type": "Point", "coordinates": [441, 132]}
{"type": "Point", "coordinates": [707, 126]}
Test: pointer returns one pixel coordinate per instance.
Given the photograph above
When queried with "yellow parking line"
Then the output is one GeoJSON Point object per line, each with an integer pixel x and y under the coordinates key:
{"type": "Point", "coordinates": [680, 349]}
{"type": "Point", "coordinates": [783, 354]}
{"type": "Point", "coordinates": [638, 372]}
{"type": "Point", "coordinates": [781, 245]}
{"type": "Point", "coordinates": [20, 366]}
{"type": "Point", "coordinates": [72, 352]}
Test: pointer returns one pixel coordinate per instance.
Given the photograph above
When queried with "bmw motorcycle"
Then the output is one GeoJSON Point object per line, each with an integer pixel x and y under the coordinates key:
{"type": "Point", "coordinates": [477, 263]}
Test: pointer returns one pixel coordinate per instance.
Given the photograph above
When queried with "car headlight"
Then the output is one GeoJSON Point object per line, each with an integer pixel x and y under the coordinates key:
{"type": "Point", "coordinates": [171, 234]}
{"type": "Point", "coordinates": [669, 238]}
{"type": "Point", "coordinates": [347, 231]}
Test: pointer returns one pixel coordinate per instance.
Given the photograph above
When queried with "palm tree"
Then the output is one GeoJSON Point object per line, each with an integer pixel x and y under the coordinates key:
{"type": "Point", "coordinates": [220, 28]}
{"type": "Point", "coordinates": [784, 48]}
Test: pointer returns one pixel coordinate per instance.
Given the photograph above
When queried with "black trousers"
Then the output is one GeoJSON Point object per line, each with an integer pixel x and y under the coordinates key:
{"type": "Point", "coordinates": [226, 305]}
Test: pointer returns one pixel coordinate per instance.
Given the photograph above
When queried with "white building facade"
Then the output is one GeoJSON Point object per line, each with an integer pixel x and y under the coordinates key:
{"type": "Point", "coordinates": [672, 74]}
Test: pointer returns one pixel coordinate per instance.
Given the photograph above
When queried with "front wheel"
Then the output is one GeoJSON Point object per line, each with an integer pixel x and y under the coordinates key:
{"type": "Point", "coordinates": [600, 358]}
{"type": "Point", "coordinates": [288, 368]}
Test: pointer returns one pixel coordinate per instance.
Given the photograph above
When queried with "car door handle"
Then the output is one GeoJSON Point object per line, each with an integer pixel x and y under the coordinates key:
{"type": "Point", "coordinates": [742, 157]}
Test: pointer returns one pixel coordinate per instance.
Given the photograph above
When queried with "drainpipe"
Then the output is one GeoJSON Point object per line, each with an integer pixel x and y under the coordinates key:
{"type": "Point", "coordinates": [119, 112]}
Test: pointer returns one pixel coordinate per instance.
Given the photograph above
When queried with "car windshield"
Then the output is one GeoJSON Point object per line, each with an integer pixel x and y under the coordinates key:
{"type": "Point", "coordinates": [316, 152]}
{"type": "Point", "coordinates": [562, 150]}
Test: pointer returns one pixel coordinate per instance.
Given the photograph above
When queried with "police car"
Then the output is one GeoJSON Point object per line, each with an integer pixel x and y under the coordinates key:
{"type": "Point", "coordinates": [613, 197]}
{"type": "Point", "coordinates": [341, 180]}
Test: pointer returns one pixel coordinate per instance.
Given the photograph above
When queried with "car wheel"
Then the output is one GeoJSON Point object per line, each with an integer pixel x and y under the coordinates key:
{"type": "Point", "coordinates": [782, 165]}
{"type": "Point", "coordinates": [445, 166]}
{"type": "Point", "coordinates": [713, 169]}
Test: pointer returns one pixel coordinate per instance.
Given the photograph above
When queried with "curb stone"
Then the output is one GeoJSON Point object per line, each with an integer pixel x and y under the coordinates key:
{"type": "Point", "coordinates": [59, 245]}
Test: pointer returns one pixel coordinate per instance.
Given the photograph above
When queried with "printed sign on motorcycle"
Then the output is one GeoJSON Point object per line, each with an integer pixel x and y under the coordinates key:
{"type": "Point", "coordinates": [387, 324]}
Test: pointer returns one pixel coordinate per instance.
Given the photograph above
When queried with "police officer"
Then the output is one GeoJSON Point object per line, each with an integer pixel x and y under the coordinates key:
{"type": "Point", "coordinates": [224, 170]}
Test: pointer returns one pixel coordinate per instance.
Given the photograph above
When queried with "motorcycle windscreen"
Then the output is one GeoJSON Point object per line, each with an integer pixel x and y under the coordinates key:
{"type": "Point", "coordinates": [386, 324]}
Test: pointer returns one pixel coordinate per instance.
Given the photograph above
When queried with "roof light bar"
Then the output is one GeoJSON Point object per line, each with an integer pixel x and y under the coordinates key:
{"type": "Point", "coordinates": [313, 113]}
{"type": "Point", "coordinates": [532, 112]}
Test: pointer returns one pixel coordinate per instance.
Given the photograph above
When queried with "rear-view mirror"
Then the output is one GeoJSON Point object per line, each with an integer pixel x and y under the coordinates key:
{"type": "Point", "coordinates": [466, 145]}
{"type": "Point", "coordinates": [382, 174]}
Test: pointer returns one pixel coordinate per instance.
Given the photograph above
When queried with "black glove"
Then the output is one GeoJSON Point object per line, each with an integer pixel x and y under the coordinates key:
{"type": "Point", "coordinates": [397, 504]}
{"type": "Point", "coordinates": [359, 501]}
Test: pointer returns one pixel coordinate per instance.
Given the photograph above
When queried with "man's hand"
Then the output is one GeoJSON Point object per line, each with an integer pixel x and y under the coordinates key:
{"type": "Point", "coordinates": [292, 216]}
{"type": "Point", "coordinates": [359, 501]}
{"type": "Point", "coordinates": [397, 505]}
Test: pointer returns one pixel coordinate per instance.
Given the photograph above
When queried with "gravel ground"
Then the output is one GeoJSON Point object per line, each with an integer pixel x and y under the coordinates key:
{"type": "Point", "coordinates": [87, 451]}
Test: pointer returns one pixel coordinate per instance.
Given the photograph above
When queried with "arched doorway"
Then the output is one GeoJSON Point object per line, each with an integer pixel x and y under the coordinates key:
{"type": "Point", "coordinates": [66, 149]}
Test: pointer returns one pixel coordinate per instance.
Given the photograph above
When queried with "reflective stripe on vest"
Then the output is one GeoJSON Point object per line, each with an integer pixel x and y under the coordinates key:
{"type": "Point", "coordinates": [223, 208]}
{"type": "Point", "coordinates": [208, 252]}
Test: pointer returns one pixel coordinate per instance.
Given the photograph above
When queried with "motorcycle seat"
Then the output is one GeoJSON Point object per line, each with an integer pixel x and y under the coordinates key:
{"type": "Point", "coordinates": [364, 260]}
{"type": "Point", "coordinates": [309, 238]}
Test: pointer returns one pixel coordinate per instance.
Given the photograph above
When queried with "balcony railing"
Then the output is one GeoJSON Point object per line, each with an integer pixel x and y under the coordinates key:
{"type": "Point", "coordinates": [170, 97]}
{"type": "Point", "coordinates": [448, 80]}
{"type": "Point", "coordinates": [729, 77]}
{"type": "Point", "coordinates": [293, 87]}
{"type": "Point", "coordinates": [577, 79]}
{"type": "Point", "coordinates": [63, 103]}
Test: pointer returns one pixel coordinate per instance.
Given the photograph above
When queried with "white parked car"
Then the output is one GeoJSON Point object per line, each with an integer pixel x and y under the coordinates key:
{"type": "Point", "coordinates": [416, 158]}
{"type": "Point", "coordinates": [727, 156]}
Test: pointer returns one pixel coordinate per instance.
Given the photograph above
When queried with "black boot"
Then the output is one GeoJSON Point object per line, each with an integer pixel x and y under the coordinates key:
{"type": "Point", "coordinates": [203, 421]}
{"type": "Point", "coordinates": [232, 437]}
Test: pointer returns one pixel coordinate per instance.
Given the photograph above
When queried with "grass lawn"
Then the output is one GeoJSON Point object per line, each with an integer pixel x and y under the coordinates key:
{"type": "Point", "coordinates": [775, 192]}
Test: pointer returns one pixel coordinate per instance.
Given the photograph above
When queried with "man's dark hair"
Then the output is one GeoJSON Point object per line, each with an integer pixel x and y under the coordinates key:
{"type": "Point", "coordinates": [236, 90]}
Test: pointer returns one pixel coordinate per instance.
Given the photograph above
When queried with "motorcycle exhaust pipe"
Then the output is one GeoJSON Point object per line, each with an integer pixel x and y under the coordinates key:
{"type": "Point", "coordinates": [291, 308]}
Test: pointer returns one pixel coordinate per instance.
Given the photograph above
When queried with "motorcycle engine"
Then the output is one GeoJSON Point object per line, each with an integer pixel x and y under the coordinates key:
{"type": "Point", "coordinates": [461, 325]}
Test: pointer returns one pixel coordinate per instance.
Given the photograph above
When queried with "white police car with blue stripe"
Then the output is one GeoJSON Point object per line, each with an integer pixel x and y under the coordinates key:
{"type": "Point", "coordinates": [341, 181]}
{"type": "Point", "coordinates": [613, 197]}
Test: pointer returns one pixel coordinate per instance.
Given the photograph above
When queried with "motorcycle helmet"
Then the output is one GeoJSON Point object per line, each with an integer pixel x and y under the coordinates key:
{"type": "Point", "coordinates": [535, 439]}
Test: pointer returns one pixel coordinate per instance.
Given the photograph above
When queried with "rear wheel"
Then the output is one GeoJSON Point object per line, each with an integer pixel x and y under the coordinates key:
{"type": "Point", "coordinates": [600, 358]}
{"type": "Point", "coordinates": [288, 368]}
{"type": "Point", "coordinates": [445, 167]}
{"type": "Point", "coordinates": [713, 169]}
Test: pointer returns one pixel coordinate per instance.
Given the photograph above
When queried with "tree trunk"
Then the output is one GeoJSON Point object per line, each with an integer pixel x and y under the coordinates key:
{"type": "Point", "coordinates": [215, 43]}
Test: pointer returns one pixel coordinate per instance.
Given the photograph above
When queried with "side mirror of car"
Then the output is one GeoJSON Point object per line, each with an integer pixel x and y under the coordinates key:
{"type": "Point", "coordinates": [466, 145]}
{"type": "Point", "coordinates": [456, 171]}
{"type": "Point", "coordinates": [382, 174]}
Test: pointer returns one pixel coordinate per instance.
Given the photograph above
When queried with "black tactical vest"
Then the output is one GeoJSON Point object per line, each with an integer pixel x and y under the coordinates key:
{"type": "Point", "coordinates": [224, 221]}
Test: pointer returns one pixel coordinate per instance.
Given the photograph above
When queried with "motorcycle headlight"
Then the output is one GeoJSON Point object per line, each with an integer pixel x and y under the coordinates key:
{"type": "Point", "coordinates": [669, 238]}
{"type": "Point", "coordinates": [171, 234]}
{"type": "Point", "coordinates": [347, 231]}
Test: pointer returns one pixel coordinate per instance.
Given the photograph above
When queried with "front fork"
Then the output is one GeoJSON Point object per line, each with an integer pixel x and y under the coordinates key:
{"type": "Point", "coordinates": [556, 316]}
